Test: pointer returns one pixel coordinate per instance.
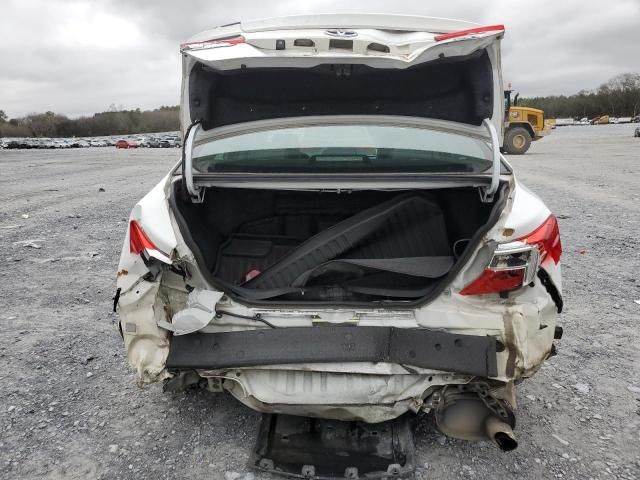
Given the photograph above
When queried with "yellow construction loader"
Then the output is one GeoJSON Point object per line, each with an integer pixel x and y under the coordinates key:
{"type": "Point", "coordinates": [522, 125]}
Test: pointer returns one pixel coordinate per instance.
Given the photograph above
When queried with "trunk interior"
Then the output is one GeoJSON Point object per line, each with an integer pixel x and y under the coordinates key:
{"type": "Point", "coordinates": [360, 246]}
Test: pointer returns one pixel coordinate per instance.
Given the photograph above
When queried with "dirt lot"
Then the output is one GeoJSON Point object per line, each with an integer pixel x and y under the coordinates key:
{"type": "Point", "coordinates": [70, 409]}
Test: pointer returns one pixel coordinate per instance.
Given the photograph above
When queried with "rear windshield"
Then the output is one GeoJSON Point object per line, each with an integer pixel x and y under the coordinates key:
{"type": "Point", "coordinates": [344, 149]}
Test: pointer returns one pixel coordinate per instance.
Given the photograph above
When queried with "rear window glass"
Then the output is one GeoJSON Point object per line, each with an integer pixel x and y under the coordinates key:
{"type": "Point", "coordinates": [344, 149]}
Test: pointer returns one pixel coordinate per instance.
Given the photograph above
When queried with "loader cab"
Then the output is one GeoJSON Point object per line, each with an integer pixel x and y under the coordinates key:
{"type": "Point", "coordinates": [508, 103]}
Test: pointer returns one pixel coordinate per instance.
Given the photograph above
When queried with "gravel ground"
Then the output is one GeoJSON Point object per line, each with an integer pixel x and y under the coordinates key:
{"type": "Point", "coordinates": [70, 409]}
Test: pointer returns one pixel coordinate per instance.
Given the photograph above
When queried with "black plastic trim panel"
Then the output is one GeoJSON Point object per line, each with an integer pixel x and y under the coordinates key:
{"type": "Point", "coordinates": [473, 355]}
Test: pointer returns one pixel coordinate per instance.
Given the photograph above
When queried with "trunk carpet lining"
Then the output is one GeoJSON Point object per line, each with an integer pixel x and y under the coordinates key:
{"type": "Point", "coordinates": [407, 226]}
{"type": "Point", "coordinates": [228, 212]}
{"type": "Point", "coordinates": [243, 253]}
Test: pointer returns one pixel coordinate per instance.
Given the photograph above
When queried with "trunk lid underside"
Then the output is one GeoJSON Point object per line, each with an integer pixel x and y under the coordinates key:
{"type": "Point", "coordinates": [397, 69]}
{"type": "Point", "coordinates": [458, 89]}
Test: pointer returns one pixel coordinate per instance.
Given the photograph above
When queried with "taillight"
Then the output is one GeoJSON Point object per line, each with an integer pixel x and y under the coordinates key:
{"type": "Point", "coordinates": [515, 264]}
{"type": "Point", "coordinates": [547, 238]}
{"type": "Point", "coordinates": [218, 42]}
{"type": "Point", "coordinates": [470, 31]}
{"type": "Point", "coordinates": [138, 240]}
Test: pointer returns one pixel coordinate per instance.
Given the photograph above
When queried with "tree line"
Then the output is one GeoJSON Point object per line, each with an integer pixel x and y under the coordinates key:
{"type": "Point", "coordinates": [619, 97]}
{"type": "Point", "coordinates": [112, 122]}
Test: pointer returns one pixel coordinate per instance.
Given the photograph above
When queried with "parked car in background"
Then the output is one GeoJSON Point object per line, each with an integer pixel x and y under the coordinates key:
{"type": "Point", "coordinates": [355, 259]}
{"type": "Point", "coordinates": [61, 143]}
{"type": "Point", "coordinates": [15, 144]}
{"type": "Point", "coordinates": [126, 144]}
{"type": "Point", "coordinates": [151, 141]}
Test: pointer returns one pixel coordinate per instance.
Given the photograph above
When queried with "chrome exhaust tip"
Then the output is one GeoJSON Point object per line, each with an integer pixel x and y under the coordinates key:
{"type": "Point", "coordinates": [501, 434]}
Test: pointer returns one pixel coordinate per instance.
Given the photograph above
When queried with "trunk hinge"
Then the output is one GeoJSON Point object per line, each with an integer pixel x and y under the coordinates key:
{"type": "Point", "coordinates": [487, 193]}
{"type": "Point", "coordinates": [195, 193]}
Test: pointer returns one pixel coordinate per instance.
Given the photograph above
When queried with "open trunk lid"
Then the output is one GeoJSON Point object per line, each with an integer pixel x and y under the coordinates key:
{"type": "Point", "coordinates": [340, 65]}
{"type": "Point", "coordinates": [412, 72]}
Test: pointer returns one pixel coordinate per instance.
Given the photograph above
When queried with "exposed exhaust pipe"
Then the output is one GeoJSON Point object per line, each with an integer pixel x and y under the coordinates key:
{"type": "Point", "coordinates": [500, 433]}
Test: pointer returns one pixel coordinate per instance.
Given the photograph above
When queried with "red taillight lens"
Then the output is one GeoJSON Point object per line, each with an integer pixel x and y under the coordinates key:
{"type": "Point", "coordinates": [234, 40]}
{"type": "Point", "coordinates": [138, 240]}
{"type": "Point", "coordinates": [495, 282]}
{"type": "Point", "coordinates": [515, 264]}
{"type": "Point", "coordinates": [218, 41]}
{"type": "Point", "coordinates": [471, 31]}
{"type": "Point", "coordinates": [547, 238]}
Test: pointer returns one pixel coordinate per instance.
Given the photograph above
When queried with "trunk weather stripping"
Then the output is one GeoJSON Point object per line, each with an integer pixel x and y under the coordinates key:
{"type": "Point", "coordinates": [487, 193]}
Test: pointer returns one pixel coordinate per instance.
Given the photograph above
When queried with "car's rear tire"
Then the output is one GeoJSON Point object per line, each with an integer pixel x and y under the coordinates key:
{"type": "Point", "coordinates": [517, 141]}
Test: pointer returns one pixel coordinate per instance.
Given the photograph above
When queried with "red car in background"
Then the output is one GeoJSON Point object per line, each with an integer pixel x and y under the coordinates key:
{"type": "Point", "coordinates": [126, 144]}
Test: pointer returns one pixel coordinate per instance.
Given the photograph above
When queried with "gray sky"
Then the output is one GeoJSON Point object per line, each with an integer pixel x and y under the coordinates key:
{"type": "Point", "coordinates": [80, 56]}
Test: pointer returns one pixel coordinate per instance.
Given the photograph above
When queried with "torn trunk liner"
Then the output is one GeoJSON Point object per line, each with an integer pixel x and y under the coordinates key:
{"type": "Point", "coordinates": [314, 246]}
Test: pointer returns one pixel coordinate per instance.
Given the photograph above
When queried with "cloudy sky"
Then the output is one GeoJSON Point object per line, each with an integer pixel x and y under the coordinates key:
{"type": "Point", "coordinates": [80, 56]}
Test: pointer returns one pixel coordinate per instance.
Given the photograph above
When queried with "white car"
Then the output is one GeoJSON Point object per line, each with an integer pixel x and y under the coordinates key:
{"type": "Point", "coordinates": [342, 238]}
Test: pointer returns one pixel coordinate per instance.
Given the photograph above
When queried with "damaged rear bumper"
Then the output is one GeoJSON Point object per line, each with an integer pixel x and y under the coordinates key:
{"type": "Point", "coordinates": [431, 349]}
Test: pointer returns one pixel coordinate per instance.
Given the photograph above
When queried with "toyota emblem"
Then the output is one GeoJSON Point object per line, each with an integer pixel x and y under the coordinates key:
{"type": "Point", "coordinates": [336, 32]}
